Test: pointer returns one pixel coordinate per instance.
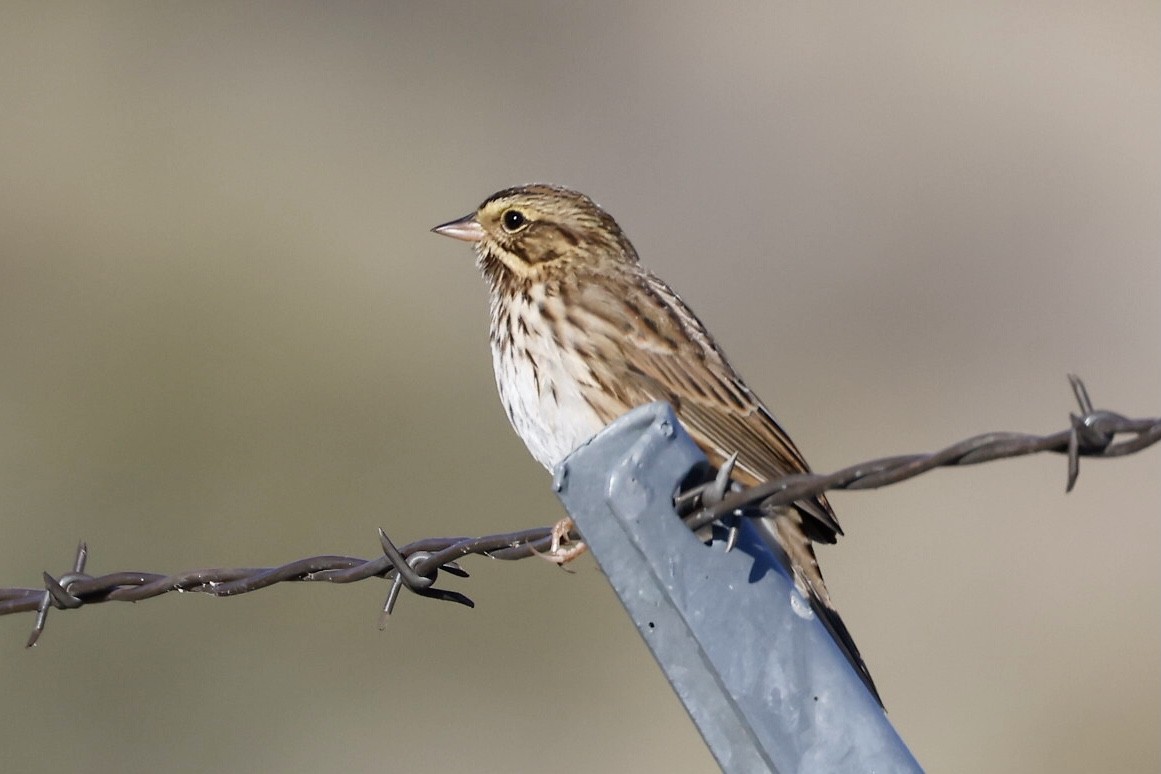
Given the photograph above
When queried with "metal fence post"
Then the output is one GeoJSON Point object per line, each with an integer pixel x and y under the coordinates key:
{"type": "Point", "coordinates": [758, 673]}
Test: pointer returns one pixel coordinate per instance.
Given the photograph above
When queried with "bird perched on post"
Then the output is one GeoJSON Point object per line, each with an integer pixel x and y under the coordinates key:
{"type": "Point", "coordinates": [581, 333]}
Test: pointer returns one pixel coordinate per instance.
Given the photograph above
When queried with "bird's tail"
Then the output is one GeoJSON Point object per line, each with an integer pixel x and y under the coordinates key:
{"type": "Point", "coordinates": [783, 532]}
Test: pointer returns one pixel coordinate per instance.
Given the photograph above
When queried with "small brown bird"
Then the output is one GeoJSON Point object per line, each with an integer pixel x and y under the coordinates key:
{"type": "Point", "coordinates": [581, 333]}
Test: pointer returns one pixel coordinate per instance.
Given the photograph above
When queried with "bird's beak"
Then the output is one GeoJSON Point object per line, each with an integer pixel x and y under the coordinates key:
{"type": "Point", "coordinates": [466, 228]}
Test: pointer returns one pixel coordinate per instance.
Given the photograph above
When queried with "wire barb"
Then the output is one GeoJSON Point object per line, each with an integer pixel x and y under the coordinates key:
{"type": "Point", "coordinates": [405, 574]}
{"type": "Point", "coordinates": [712, 498]}
{"type": "Point", "coordinates": [57, 592]}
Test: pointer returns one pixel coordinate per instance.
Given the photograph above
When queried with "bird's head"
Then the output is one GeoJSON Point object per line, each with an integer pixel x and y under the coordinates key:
{"type": "Point", "coordinates": [532, 232]}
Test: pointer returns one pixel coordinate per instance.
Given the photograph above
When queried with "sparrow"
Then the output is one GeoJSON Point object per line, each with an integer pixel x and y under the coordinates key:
{"type": "Point", "coordinates": [581, 333]}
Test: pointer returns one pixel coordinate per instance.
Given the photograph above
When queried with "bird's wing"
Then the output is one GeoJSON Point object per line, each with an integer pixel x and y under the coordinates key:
{"type": "Point", "coordinates": [657, 362]}
{"type": "Point", "coordinates": [667, 354]}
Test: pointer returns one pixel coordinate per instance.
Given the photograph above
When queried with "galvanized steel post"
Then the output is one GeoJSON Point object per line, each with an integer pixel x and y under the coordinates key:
{"type": "Point", "coordinates": [757, 672]}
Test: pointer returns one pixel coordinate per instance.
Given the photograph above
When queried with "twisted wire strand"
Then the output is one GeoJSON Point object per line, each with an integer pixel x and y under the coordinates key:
{"type": "Point", "coordinates": [416, 566]}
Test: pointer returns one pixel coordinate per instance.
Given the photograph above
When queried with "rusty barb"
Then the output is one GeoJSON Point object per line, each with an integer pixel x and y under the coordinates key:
{"type": "Point", "coordinates": [416, 566]}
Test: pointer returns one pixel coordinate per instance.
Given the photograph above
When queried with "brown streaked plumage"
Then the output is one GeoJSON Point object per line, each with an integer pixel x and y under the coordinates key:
{"type": "Point", "coordinates": [581, 333]}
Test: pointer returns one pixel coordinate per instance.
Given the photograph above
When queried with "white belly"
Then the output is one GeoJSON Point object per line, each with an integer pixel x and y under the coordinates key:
{"type": "Point", "coordinates": [546, 407]}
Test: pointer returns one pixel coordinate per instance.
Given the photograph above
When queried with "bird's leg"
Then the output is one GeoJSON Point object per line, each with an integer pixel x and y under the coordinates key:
{"type": "Point", "coordinates": [558, 551]}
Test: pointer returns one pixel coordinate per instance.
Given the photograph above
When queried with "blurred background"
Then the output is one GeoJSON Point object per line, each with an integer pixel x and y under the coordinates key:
{"type": "Point", "coordinates": [228, 339]}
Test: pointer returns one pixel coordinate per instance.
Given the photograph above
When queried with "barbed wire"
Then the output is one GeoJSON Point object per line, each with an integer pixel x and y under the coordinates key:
{"type": "Point", "coordinates": [416, 566]}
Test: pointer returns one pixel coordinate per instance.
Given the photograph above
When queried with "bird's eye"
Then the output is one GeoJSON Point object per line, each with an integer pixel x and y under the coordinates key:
{"type": "Point", "coordinates": [513, 220]}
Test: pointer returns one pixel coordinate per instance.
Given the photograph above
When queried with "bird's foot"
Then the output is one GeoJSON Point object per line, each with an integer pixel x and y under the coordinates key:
{"type": "Point", "coordinates": [564, 548]}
